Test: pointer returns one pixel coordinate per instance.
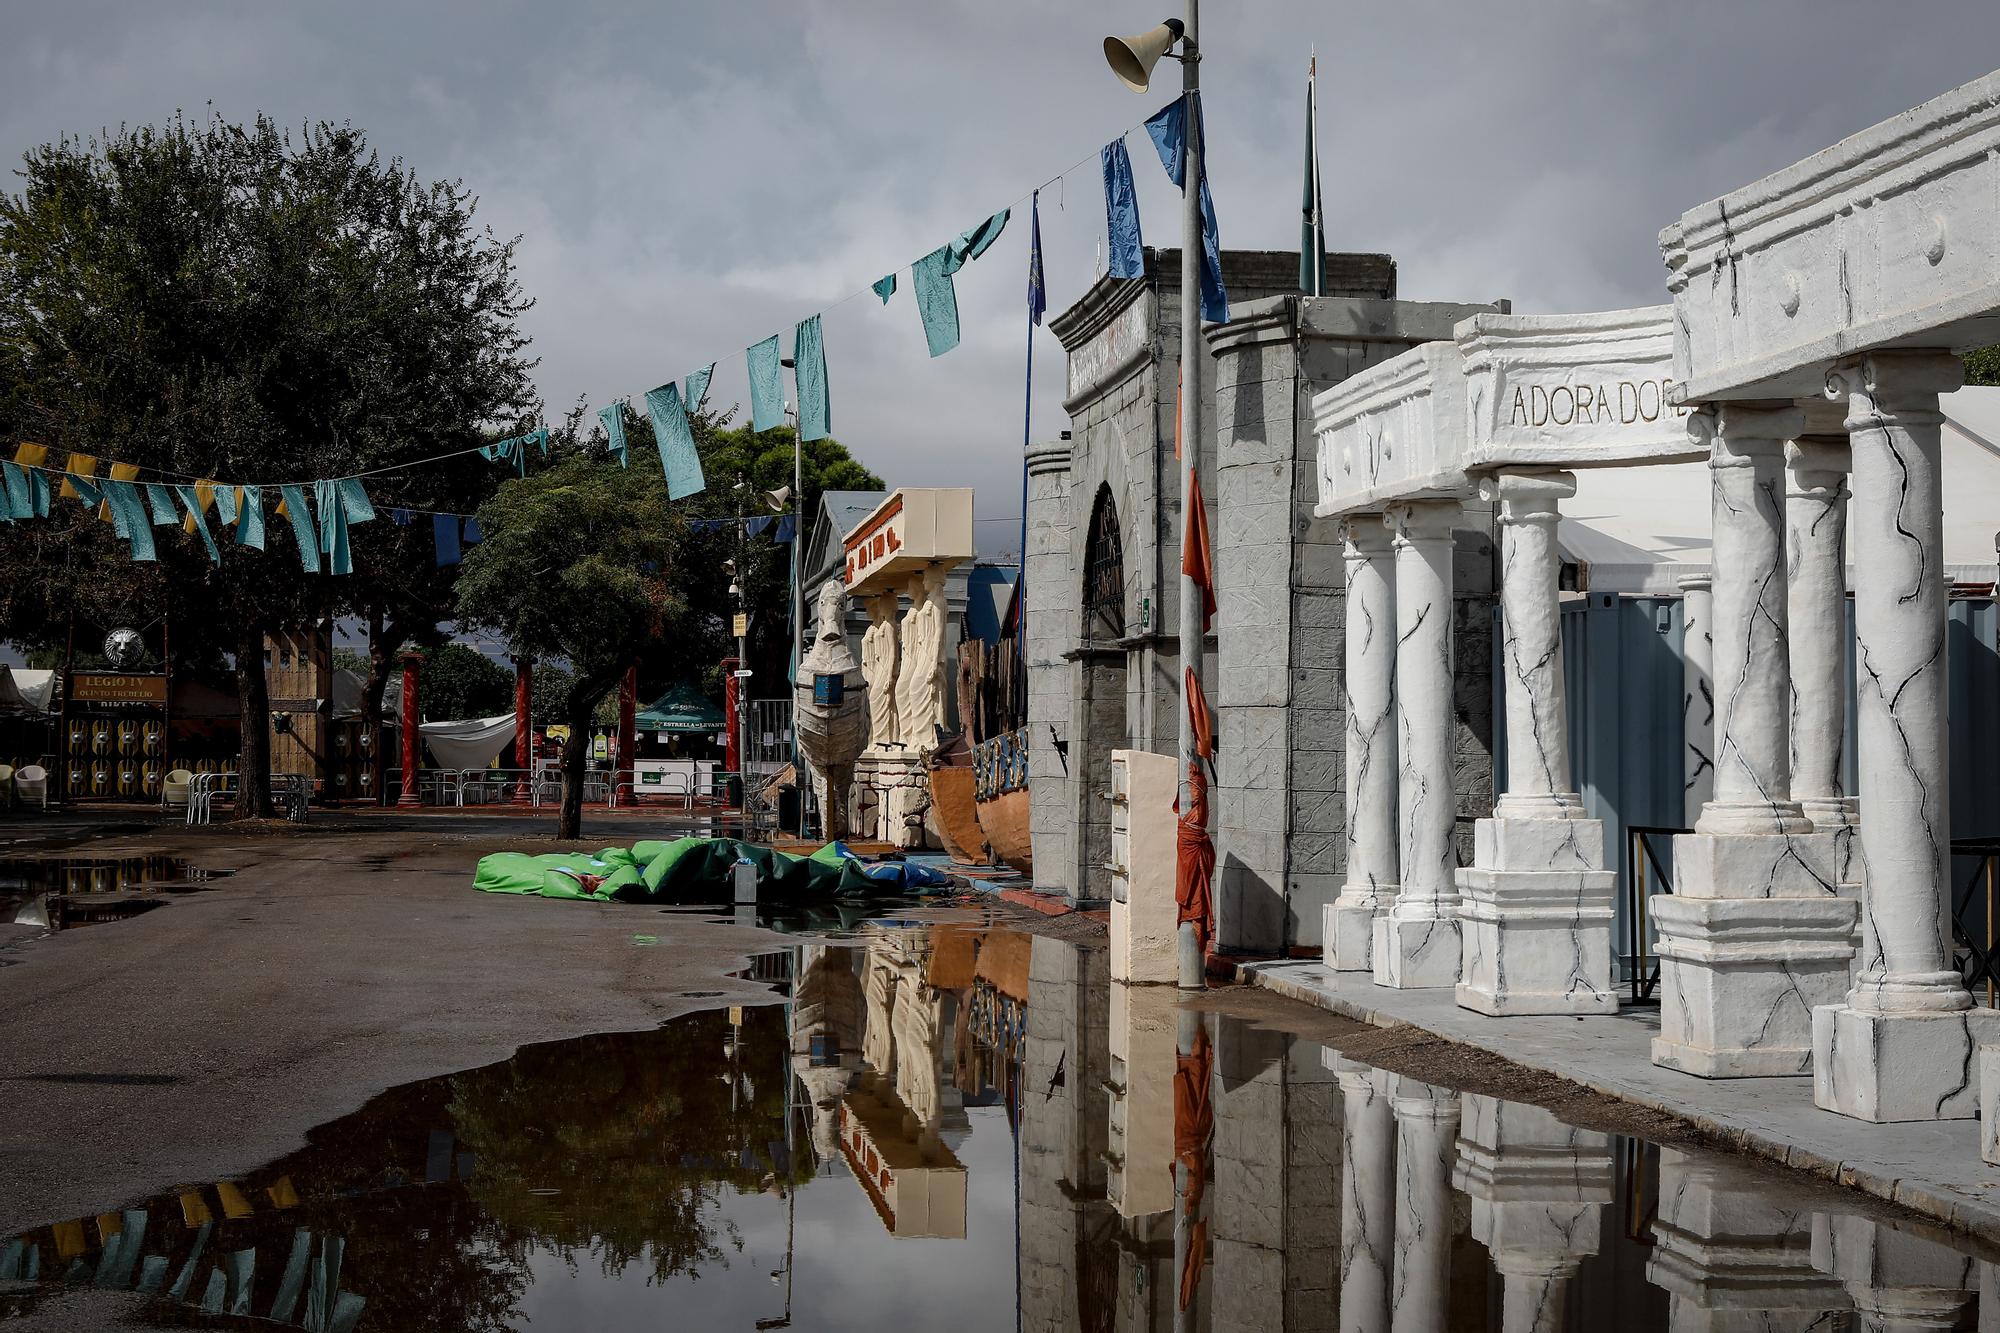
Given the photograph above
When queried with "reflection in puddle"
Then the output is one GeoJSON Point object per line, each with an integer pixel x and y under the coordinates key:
{"type": "Point", "coordinates": [62, 892]}
{"type": "Point", "coordinates": [947, 1126]}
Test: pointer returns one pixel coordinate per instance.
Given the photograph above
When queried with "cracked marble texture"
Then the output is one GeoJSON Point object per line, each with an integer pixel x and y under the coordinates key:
{"type": "Point", "coordinates": [1369, 688]}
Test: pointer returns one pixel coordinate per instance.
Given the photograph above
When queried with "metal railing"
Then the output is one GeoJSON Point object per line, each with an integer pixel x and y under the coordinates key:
{"type": "Point", "coordinates": [291, 793]}
{"type": "Point", "coordinates": [1978, 935]}
{"type": "Point", "coordinates": [1643, 870]}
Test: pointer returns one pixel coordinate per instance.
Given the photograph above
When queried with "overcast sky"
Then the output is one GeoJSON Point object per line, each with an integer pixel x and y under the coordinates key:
{"type": "Point", "coordinates": [689, 179]}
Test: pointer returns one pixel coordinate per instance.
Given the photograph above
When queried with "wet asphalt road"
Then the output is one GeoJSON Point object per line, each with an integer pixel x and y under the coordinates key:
{"type": "Point", "coordinates": [195, 1042]}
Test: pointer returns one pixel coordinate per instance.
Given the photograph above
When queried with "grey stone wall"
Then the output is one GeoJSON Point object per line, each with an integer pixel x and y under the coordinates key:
{"type": "Point", "coordinates": [1051, 632]}
{"type": "Point", "coordinates": [1278, 693]}
{"type": "Point", "coordinates": [1273, 667]}
{"type": "Point", "coordinates": [1274, 1224]}
{"type": "Point", "coordinates": [1067, 1227]}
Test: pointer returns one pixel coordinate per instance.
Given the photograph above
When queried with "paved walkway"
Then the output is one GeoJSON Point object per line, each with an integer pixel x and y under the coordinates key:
{"type": "Point", "coordinates": [1932, 1168]}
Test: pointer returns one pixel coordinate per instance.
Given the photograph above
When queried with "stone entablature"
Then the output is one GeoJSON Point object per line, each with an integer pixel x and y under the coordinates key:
{"type": "Point", "coordinates": [1394, 432]}
{"type": "Point", "coordinates": [1572, 391]}
{"type": "Point", "coordinates": [1528, 391]}
{"type": "Point", "coordinates": [914, 528]}
{"type": "Point", "coordinates": [1890, 238]}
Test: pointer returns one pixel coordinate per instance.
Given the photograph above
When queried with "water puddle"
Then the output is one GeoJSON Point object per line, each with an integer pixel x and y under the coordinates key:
{"type": "Point", "coordinates": [947, 1126]}
{"type": "Point", "coordinates": [63, 892]}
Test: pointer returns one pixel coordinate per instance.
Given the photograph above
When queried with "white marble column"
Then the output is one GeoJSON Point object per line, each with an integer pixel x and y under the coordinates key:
{"type": "Point", "coordinates": [1426, 1139]}
{"type": "Point", "coordinates": [1367, 1195]}
{"type": "Point", "coordinates": [1899, 1282]}
{"type": "Point", "coordinates": [1538, 1189]}
{"type": "Point", "coordinates": [1697, 697]}
{"type": "Point", "coordinates": [1369, 684]}
{"type": "Point", "coordinates": [1753, 936]}
{"type": "Point", "coordinates": [1816, 587]}
{"type": "Point", "coordinates": [1730, 1257]}
{"type": "Point", "coordinates": [1416, 940]}
{"type": "Point", "coordinates": [1902, 1046]}
{"type": "Point", "coordinates": [1536, 910]}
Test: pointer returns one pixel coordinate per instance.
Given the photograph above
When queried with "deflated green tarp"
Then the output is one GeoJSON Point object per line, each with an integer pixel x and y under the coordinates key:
{"type": "Point", "coordinates": [688, 870]}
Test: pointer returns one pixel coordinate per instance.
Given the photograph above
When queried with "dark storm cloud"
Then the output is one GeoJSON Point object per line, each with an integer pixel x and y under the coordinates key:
{"type": "Point", "coordinates": [689, 179]}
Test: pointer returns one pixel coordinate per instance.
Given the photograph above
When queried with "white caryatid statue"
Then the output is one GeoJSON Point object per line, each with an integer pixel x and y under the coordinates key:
{"type": "Point", "coordinates": [833, 721]}
{"type": "Point", "coordinates": [920, 685]}
{"type": "Point", "coordinates": [878, 668]}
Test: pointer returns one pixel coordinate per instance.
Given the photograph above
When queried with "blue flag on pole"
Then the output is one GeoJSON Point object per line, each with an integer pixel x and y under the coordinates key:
{"type": "Point", "coordinates": [1038, 292]}
{"type": "Point", "coordinates": [1168, 128]}
{"type": "Point", "coordinates": [1121, 213]}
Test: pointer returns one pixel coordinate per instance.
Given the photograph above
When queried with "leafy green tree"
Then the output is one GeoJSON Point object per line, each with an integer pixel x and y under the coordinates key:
{"type": "Point", "coordinates": [584, 564]}
{"type": "Point", "coordinates": [761, 461]}
{"type": "Point", "coordinates": [215, 300]}
{"type": "Point", "coordinates": [459, 682]}
{"type": "Point", "coordinates": [1983, 366]}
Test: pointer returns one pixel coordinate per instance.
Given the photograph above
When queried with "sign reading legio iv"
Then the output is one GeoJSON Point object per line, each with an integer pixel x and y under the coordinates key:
{"type": "Point", "coordinates": [98, 687]}
{"type": "Point", "coordinates": [1572, 390]}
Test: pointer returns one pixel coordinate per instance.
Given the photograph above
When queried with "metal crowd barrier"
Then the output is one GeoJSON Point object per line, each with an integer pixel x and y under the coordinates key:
{"type": "Point", "coordinates": [290, 792]}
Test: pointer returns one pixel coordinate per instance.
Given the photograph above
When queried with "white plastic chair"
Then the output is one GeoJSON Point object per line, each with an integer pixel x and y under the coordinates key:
{"type": "Point", "coordinates": [177, 789]}
{"type": "Point", "coordinates": [31, 784]}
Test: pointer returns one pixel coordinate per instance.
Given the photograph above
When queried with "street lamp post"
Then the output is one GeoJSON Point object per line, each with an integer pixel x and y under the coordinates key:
{"type": "Point", "coordinates": [1132, 60]}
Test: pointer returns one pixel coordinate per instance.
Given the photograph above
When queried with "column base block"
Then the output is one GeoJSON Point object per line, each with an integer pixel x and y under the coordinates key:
{"type": "Point", "coordinates": [1989, 1105]}
{"type": "Point", "coordinates": [1740, 978]}
{"type": "Point", "coordinates": [1884, 1067]}
{"type": "Point", "coordinates": [1417, 953]}
{"type": "Point", "coordinates": [1536, 941]}
{"type": "Point", "coordinates": [1759, 865]}
{"type": "Point", "coordinates": [1347, 930]}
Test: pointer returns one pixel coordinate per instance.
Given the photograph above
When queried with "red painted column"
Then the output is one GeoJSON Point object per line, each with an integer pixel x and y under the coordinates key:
{"type": "Point", "coordinates": [413, 745]}
{"type": "Point", "coordinates": [628, 725]}
{"type": "Point", "coordinates": [524, 726]}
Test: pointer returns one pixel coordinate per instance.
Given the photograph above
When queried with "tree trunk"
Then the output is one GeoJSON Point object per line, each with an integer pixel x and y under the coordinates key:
{"type": "Point", "coordinates": [576, 756]}
{"type": "Point", "coordinates": [584, 697]}
{"type": "Point", "coordinates": [381, 653]}
{"type": "Point", "coordinates": [253, 694]}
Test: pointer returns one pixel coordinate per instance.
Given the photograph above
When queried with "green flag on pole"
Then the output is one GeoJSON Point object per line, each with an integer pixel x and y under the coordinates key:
{"type": "Point", "coordinates": [1312, 222]}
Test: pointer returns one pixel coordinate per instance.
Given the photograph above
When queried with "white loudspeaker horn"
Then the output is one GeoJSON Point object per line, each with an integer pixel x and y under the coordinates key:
{"type": "Point", "coordinates": [779, 498]}
{"type": "Point", "coordinates": [1132, 58]}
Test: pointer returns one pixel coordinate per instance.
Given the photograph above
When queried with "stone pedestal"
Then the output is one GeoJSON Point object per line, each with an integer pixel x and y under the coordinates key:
{"type": "Point", "coordinates": [1536, 909]}
{"type": "Point", "coordinates": [1426, 1135]}
{"type": "Point", "coordinates": [1751, 938]}
{"type": "Point", "coordinates": [1899, 1281]}
{"type": "Point", "coordinates": [891, 796]}
{"type": "Point", "coordinates": [1731, 1259]}
{"type": "Point", "coordinates": [1538, 1189]}
{"type": "Point", "coordinates": [1754, 935]}
{"type": "Point", "coordinates": [1367, 1195]}
{"type": "Point", "coordinates": [1416, 940]}
{"type": "Point", "coordinates": [1370, 698]}
{"type": "Point", "coordinates": [1144, 912]}
{"type": "Point", "coordinates": [1902, 1045]}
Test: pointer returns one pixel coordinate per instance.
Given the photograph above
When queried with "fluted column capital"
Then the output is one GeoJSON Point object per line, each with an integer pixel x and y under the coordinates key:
{"type": "Point", "coordinates": [1528, 496]}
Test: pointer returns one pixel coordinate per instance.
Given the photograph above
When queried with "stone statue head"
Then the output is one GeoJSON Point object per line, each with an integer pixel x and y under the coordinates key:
{"type": "Point", "coordinates": [830, 611]}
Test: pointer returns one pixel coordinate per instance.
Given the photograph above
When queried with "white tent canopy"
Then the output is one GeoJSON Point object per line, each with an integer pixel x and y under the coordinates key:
{"type": "Point", "coordinates": [473, 743]}
{"type": "Point", "coordinates": [24, 692]}
{"type": "Point", "coordinates": [1642, 529]}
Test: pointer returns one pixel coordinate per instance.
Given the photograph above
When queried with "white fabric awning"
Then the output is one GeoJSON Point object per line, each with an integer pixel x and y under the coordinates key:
{"type": "Point", "coordinates": [474, 743]}
{"type": "Point", "coordinates": [25, 692]}
{"type": "Point", "coordinates": [1642, 529]}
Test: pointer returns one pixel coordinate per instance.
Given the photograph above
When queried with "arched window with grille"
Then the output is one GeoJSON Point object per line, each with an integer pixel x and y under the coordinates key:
{"type": "Point", "coordinates": [1104, 573]}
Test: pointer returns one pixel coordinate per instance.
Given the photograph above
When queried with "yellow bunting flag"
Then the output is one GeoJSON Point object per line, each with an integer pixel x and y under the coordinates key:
{"type": "Point", "coordinates": [32, 455]}
{"type": "Point", "coordinates": [80, 465]}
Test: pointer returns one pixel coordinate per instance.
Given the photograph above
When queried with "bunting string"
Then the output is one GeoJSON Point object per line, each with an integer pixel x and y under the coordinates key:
{"type": "Point", "coordinates": [321, 510]}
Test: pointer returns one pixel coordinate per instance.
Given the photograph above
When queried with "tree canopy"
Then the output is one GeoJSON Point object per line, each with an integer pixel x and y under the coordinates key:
{"type": "Point", "coordinates": [243, 303]}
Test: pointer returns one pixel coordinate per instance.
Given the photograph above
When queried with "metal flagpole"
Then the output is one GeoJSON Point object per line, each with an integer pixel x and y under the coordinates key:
{"type": "Point", "coordinates": [1192, 966]}
{"type": "Point", "coordinates": [1035, 307]}
{"type": "Point", "coordinates": [1319, 200]}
